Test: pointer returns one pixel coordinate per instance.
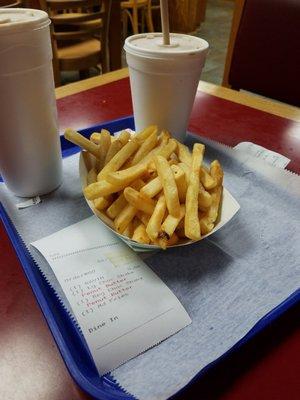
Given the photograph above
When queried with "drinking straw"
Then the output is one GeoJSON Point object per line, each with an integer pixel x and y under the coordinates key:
{"type": "Point", "coordinates": [164, 14]}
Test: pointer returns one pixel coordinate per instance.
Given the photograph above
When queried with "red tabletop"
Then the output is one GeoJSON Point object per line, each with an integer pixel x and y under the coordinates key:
{"type": "Point", "coordinates": [267, 368]}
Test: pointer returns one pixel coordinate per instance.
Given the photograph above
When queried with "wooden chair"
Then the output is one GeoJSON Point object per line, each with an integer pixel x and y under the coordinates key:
{"type": "Point", "coordinates": [79, 35]}
{"type": "Point", "coordinates": [131, 10]}
{"type": "Point", "coordinates": [263, 55]}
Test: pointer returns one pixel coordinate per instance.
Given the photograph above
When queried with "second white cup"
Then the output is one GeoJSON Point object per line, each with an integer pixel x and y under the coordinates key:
{"type": "Point", "coordinates": [164, 79]}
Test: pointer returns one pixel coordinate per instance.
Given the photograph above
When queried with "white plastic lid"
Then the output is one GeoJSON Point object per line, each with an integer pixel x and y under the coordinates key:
{"type": "Point", "coordinates": [151, 45]}
{"type": "Point", "coordinates": [14, 20]}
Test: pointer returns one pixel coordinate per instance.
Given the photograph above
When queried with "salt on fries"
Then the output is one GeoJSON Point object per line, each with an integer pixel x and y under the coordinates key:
{"type": "Point", "coordinates": [149, 187]}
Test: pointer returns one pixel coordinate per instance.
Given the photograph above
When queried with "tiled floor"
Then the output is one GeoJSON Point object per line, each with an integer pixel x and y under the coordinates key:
{"type": "Point", "coordinates": [215, 29]}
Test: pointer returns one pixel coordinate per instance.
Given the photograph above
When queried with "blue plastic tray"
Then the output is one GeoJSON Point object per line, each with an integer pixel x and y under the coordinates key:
{"type": "Point", "coordinates": [67, 336]}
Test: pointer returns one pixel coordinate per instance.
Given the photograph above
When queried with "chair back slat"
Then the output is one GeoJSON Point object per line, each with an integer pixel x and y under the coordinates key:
{"type": "Point", "coordinates": [78, 35]}
{"type": "Point", "coordinates": [60, 5]}
{"type": "Point", "coordinates": [64, 19]}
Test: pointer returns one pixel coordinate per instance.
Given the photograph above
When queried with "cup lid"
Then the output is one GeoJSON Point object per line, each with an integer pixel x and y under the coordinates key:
{"type": "Point", "coordinates": [151, 45]}
{"type": "Point", "coordinates": [14, 20]}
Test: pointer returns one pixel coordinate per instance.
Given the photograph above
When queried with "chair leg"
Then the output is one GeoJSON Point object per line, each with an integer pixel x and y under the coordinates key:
{"type": "Point", "coordinates": [143, 20]}
{"type": "Point", "coordinates": [125, 23]}
{"type": "Point", "coordinates": [105, 61]}
{"type": "Point", "coordinates": [149, 17]}
{"type": "Point", "coordinates": [135, 23]}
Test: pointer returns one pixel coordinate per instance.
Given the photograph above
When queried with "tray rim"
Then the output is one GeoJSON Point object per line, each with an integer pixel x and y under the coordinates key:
{"type": "Point", "coordinates": [110, 389]}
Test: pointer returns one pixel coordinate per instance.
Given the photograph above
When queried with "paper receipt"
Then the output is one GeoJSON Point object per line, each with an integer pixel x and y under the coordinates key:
{"type": "Point", "coordinates": [121, 305]}
{"type": "Point", "coordinates": [269, 156]}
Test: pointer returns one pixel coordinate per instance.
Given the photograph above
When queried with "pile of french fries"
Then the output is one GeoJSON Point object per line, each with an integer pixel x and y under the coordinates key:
{"type": "Point", "coordinates": [149, 187]}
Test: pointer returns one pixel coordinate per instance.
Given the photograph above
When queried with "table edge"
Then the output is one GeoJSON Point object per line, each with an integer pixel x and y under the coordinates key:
{"type": "Point", "coordinates": [266, 105]}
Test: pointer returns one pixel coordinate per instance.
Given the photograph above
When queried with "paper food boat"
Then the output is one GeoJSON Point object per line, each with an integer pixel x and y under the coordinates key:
{"type": "Point", "coordinates": [228, 209]}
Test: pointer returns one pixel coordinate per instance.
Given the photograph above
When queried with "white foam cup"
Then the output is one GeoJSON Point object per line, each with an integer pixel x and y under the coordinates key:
{"type": "Point", "coordinates": [164, 79]}
{"type": "Point", "coordinates": [30, 155]}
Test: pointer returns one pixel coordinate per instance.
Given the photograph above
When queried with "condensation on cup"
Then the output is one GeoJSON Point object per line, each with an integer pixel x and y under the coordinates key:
{"type": "Point", "coordinates": [30, 154]}
{"type": "Point", "coordinates": [164, 79]}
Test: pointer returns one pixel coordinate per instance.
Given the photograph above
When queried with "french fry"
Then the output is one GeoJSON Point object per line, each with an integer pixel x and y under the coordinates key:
{"type": "Point", "coordinates": [169, 185]}
{"type": "Point", "coordinates": [197, 157]}
{"type": "Point", "coordinates": [126, 176]}
{"type": "Point", "coordinates": [124, 218]}
{"type": "Point", "coordinates": [81, 141]}
{"type": "Point", "coordinates": [145, 133]}
{"type": "Point", "coordinates": [137, 200]}
{"type": "Point", "coordinates": [152, 188]}
{"type": "Point", "coordinates": [137, 184]}
{"type": "Point", "coordinates": [124, 137]}
{"type": "Point", "coordinates": [101, 189]}
{"type": "Point", "coordinates": [216, 172]}
{"type": "Point", "coordinates": [154, 225]}
{"type": "Point", "coordinates": [104, 145]}
{"type": "Point", "coordinates": [117, 206]}
{"type": "Point", "coordinates": [216, 201]}
{"type": "Point", "coordinates": [172, 162]}
{"type": "Point", "coordinates": [140, 234]}
{"type": "Point", "coordinates": [89, 160]}
{"type": "Point", "coordinates": [207, 180]}
{"type": "Point", "coordinates": [145, 147]}
{"type": "Point", "coordinates": [135, 222]}
{"type": "Point", "coordinates": [191, 220]}
{"type": "Point", "coordinates": [204, 198]}
{"type": "Point", "coordinates": [163, 151]}
{"type": "Point", "coordinates": [164, 137]}
{"type": "Point", "coordinates": [161, 145]}
{"type": "Point", "coordinates": [208, 219]}
{"type": "Point", "coordinates": [102, 203]}
{"type": "Point", "coordinates": [114, 148]}
{"type": "Point", "coordinates": [170, 223]}
{"type": "Point", "coordinates": [95, 137]}
{"type": "Point", "coordinates": [92, 176]}
{"type": "Point", "coordinates": [148, 158]}
{"type": "Point", "coordinates": [119, 159]}
{"type": "Point", "coordinates": [181, 182]}
{"type": "Point", "coordinates": [144, 218]}
{"type": "Point", "coordinates": [184, 154]}
{"type": "Point", "coordinates": [186, 169]}
{"type": "Point", "coordinates": [164, 241]}
{"type": "Point", "coordinates": [205, 225]}
{"type": "Point", "coordinates": [167, 150]}
{"type": "Point", "coordinates": [128, 231]}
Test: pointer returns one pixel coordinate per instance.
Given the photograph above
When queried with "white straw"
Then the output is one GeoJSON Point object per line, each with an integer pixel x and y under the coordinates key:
{"type": "Point", "coordinates": [164, 13]}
